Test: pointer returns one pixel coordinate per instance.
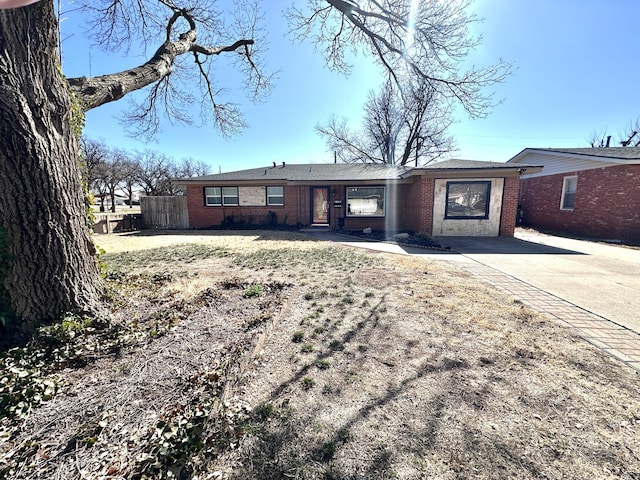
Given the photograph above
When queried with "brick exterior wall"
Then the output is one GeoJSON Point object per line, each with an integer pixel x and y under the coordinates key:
{"type": "Point", "coordinates": [509, 206]}
{"type": "Point", "coordinates": [409, 204]}
{"type": "Point", "coordinates": [607, 203]}
{"type": "Point", "coordinates": [296, 208]}
{"type": "Point", "coordinates": [418, 211]}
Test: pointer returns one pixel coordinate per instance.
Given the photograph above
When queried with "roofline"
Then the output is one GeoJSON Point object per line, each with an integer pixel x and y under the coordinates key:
{"type": "Point", "coordinates": [558, 153]}
{"type": "Point", "coordinates": [402, 177]}
{"type": "Point", "coordinates": [519, 170]}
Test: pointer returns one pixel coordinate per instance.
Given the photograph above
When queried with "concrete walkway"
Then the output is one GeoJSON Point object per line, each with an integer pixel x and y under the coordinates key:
{"type": "Point", "coordinates": [591, 288]}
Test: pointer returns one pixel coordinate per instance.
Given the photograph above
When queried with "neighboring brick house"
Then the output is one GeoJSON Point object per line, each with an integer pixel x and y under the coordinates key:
{"type": "Point", "coordinates": [590, 192]}
{"type": "Point", "coordinates": [454, 197]}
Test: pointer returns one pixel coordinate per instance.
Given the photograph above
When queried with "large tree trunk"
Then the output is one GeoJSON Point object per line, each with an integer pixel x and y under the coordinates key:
{"type": "Point", "coordinates": [52, 266]}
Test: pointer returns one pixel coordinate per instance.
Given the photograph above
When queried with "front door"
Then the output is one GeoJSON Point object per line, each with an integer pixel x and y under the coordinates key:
{"type": "Point", "coordinates": [320, 205]}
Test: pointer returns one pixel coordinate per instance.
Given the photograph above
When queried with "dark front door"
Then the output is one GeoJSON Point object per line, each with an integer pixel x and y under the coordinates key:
{"type": "Point", "coordinates": [320, 205]}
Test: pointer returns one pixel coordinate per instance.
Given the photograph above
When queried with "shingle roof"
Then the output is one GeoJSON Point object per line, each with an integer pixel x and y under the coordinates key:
{"type": "Point", "coordinates": [313, 172]}
{"type": "Point", "coordinates": [620, 153]}
{"type": "Point", "coordinates": [456, 164]}
{"type": "Point", "coordinates": [325, 172]}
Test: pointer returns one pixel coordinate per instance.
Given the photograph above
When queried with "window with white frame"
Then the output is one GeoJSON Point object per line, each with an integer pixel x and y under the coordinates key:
{"type": "Point", "coordinates": [275, 195]}
{"type": "Point", "coordinates": [569, 188]}
{"type": "Point", "coordinates": [219, 196]}
{"type": "Point", "coordinates": [468, 200]}
{"type": "Point", "coordinates": [365, 201]}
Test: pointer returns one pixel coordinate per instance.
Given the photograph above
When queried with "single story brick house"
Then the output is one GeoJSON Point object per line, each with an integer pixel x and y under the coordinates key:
{"type": "Point", "coordinates": [453, 197]}
{"type": "Point", "coordinates": [590, 192]}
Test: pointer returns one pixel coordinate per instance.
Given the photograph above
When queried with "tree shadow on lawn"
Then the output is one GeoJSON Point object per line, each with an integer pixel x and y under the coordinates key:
{"type": "Point", "coordinates": [341, 435]}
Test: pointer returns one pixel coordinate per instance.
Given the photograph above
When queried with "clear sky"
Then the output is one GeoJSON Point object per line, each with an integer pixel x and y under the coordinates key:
{"type": "Point", "coordinates": [575, 72]}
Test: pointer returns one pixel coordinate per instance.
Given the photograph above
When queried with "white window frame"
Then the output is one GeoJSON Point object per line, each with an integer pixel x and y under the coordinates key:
{"type": "Point", "coordinates": [211, 193]}
{"type": "Point", "coordinates": [566, 181]}
{"type": "Point", "coordinates": [225, 197]}
{"type": "Point", "coordinates": [275, 199]}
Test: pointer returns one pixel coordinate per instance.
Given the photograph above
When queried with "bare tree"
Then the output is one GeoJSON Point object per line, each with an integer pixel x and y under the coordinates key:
{"type": "Point", "coordinates": [426, 40]}
{"type": "Point", "coordinates": [189, 167]}
{"type": "Point", "coordinates": [115, 173]}
{"type": "Point", "coordinates": [629, 136]}
{"type": "Point", "coordinates": [93, 153]}
{"type": "Point", "coordinates": [397, 129]}
{"type": "Point", "coordinates": [154, 172]}
{"type": "Point", "coordinates": [52, 267]}
{"type": "Point", "coordinates": [129, 177]}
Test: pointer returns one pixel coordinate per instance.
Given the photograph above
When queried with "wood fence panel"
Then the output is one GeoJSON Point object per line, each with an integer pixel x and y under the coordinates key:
{"type": "Point", "coordinates": [165, 212]}
{"type": "Point", "coordinates": [116, 222]}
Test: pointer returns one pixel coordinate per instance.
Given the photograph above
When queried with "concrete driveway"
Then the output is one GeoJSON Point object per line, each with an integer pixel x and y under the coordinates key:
{"type": "Point", "coordinates": [603, 279]}
{"type": "Point", "coordinates": [600, 278]}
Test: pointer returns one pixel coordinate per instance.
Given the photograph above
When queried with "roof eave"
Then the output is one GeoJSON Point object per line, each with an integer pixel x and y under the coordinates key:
{"type": "Point", "coordinates": [477, 172]}
{"type": "Point", "coordinates": [584, 156]}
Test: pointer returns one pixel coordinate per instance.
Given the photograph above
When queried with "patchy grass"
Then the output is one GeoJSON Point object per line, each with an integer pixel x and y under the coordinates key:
{"type": "Point", "coordinates": [269, 356]}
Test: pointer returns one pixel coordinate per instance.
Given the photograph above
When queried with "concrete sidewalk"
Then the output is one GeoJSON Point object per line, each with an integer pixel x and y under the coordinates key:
{"type": "Point", "coordinates": [590, 287]}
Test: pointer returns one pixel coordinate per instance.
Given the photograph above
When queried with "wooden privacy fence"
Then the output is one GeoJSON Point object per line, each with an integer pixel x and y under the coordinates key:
{"type": "Point", "coordinates": [165, 212]}
{"type": "Point", "coordinates": [116, 222]}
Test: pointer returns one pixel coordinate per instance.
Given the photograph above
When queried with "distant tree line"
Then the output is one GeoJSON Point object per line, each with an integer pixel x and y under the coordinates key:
{"type": "Point", "coordinates": [109, 170]}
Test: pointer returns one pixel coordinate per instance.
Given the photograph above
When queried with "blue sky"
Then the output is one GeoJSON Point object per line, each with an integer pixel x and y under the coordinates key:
{"type": "Point", "coordinates": [575, 73]}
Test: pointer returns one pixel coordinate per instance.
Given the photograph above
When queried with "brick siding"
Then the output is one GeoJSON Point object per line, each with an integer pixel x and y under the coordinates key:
{"type": "Point", "coordinates": [296, 207]}
{"type": "Point", "coordinates": [418, 211]}
{"type": "Point", "coordinates": [509, 206]}
{"type": "Point", "coordinates": [410, 203]}
{"type": "Point", "coordinates": [607, 203]}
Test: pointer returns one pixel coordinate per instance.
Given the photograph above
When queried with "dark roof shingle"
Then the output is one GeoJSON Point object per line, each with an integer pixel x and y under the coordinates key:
{"type": "Point", "coordinates": [311, 172]}
{"type": "Point", "coordinates": [620, 153]}
{"type": "Point", "coordinates": [340, 172]}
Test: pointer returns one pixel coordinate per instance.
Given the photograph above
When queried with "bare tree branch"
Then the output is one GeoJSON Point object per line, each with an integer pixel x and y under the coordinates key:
{"type": "Point", "coordinates": [426, 40]}
{"type": "Point", "coordinates": [629, 136]}
{"type": "Point", "coordinates": [397, 128]}
{"type": "Point", "coordinates": [179, 32]}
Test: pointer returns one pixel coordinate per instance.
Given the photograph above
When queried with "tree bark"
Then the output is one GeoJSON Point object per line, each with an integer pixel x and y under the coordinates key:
{"type": "Point", "coordinates": [96, 91]}
{"type": "Point", "coordinates": [52, 266]}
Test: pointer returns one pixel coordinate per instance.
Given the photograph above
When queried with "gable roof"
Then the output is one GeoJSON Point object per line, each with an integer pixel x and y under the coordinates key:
{"type": "Point", "coordinates": [345, 172]}
{"type": "Point", "coordinates": [566, 160]}
{"type": "Point", "coordinates": [616, 154]}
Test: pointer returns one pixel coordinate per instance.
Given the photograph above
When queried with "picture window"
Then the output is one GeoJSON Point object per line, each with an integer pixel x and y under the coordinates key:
{"type": "Point", "coordinates": [365, 201]}
{"type": "Point", "coordinates": [468, 200]}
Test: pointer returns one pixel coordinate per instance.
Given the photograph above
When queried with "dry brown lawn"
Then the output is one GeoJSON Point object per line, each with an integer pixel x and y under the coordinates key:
{"type": "Point", "coordinates": [265, 355]}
